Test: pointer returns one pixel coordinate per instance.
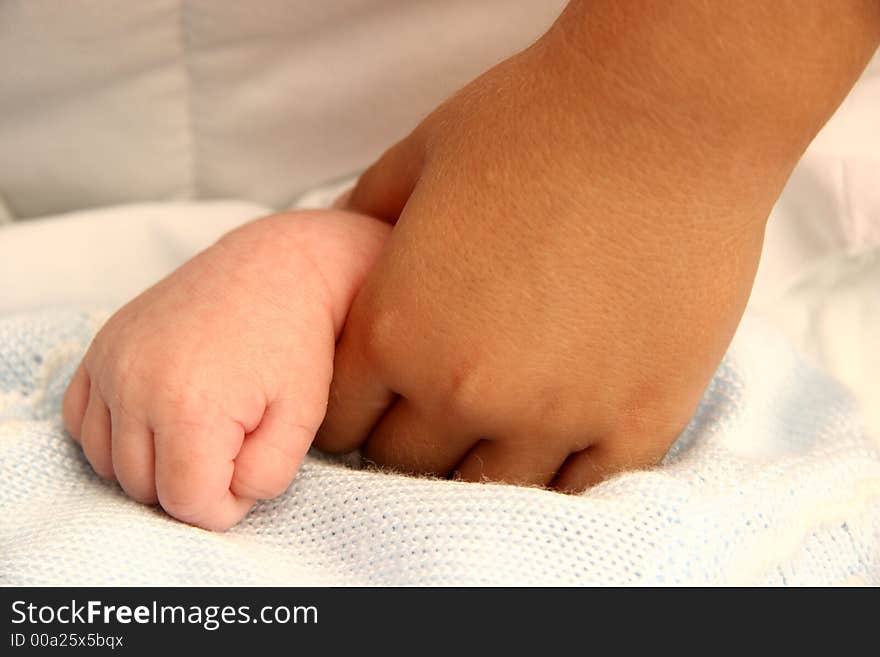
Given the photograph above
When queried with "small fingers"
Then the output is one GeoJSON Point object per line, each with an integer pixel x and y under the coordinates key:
{"type": "Point", "coordinates": [408, 440]}
{"type": "Point", "coordinates": [597, 463]}
{"type": "Point", "coordinates": [95, 434]}
{"type": "Point", "coordinates": [194, 471]}
{"type": "Point", "coordinates": [519, 462]}
{"type": "Point", "coordinates": [357, 399]}
{"type": "Point", "coordinates": [76, 398]}
{"type": "Point", "coordinates": [272, 453]}
{"type": "Point", "coordinates": [133, 457]}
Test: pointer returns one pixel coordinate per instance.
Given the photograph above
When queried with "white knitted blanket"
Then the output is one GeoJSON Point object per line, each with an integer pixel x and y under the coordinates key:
{"type": "Point", "coordinates": [774, 482]}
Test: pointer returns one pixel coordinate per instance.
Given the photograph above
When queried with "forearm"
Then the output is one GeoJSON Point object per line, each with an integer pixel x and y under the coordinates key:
{"type": "Point", "coordinates": [711, 90]}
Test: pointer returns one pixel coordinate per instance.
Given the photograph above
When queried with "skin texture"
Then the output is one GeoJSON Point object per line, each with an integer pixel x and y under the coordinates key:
{"type": "Point", "coordinates": [204, 393]}
{"type": "Point", "coordinates": [577, 232]}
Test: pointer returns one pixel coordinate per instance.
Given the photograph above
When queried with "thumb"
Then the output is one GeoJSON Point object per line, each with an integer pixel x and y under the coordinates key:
{"type": "Point", "coordinates": [383, 190]}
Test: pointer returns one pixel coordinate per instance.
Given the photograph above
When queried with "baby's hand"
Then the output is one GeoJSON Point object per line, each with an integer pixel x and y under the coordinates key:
{"type": "Point", "coordinates": [204, 393]}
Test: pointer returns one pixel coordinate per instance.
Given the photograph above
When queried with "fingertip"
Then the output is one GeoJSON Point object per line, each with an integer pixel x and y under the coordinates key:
{"type": "Point", "coordinates": [580, 471]}
{"type": "Point", "coordinates": [357, 398]}
{"type": "Point", "coordinates": [591, 466]}
{"type": "Point", "coordinates": [95, 438]}
{"type": "Point", "coordinates": [133, 457]}
{"type": "Point", "coordinates": [231, 511]}
{"type": "Point", "coordinates": [220, 516]}
{"type": "Point", "coordinates": [194, 471]}
{"type": "Point", "coordinates": [407, 439]}
{"type": "Point", "coordinates": [272, 454]}
{"type": "Point", "coordinates": [520, 463]}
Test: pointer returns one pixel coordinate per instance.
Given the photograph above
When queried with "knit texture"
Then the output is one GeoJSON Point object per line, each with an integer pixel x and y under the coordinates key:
{"type": "Point", "coordinates": [774, 481]}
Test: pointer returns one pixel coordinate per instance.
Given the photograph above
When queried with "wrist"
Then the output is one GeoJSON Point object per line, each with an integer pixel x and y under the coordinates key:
{"type": "Point", "coordinates": [709, 94]}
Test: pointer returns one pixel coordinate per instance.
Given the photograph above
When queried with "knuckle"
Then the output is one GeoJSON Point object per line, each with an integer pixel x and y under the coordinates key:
{"type": "Point", "coordinates": [643, 436]}
{"type": "Point", "coordinates": [181, 406]}
{"type": "Point", "coordinates": [377, 335]}
{"type": "Point", "coordinates": [560, 409]}
{"type": "Point", "coordinates": [650, 421]}
{"type": "Point", "coordinates": [465, 393]}
{"type": "Point", "coordinates": [651, 415]}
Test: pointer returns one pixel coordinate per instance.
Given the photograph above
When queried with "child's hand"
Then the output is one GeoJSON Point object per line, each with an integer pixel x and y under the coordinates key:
{"type": "Point", "coordinates": [204, 393]}
{"type": "Point", "coordinates": [577, 234]}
